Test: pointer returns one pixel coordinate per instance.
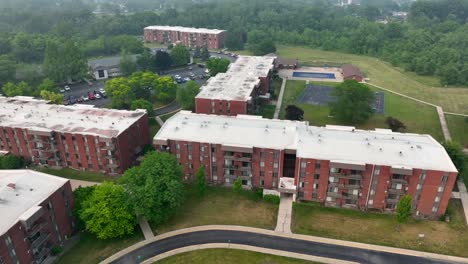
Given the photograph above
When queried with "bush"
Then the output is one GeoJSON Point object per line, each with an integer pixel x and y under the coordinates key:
{"type": "Point", "coordinates": [11, 162]}
{"type": "Point", "coordinates": [270, 198]}
{"type": "Point", "coordinates": [238, 185]}
{"type": "Point", "coordinates": [258, 192]}
{"type": "Point", "coordinates": [56, 250]}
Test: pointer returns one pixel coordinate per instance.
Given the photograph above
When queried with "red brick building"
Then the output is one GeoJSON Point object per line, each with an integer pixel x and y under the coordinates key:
{"type": "Point", "coordinates": [190, 37]}
{"type": "Point", "coordinates": [351, 72]}
{"type": "Point", "coordinates": [80, 136]}
{"type": "Point", "coordinates": [37, 215]}
{"type": "Point", "coordinates": [239, 90]}
{"type": "Point", "coordinates": [334, 165]}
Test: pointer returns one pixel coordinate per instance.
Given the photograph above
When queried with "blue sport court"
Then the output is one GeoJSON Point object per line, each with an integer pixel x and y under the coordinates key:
{"type": "Point", "coordinates": [314, 75]}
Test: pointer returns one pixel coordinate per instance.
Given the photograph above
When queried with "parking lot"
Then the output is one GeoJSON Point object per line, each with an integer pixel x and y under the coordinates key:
{"type": "Point", "coordinates": [82, 89]}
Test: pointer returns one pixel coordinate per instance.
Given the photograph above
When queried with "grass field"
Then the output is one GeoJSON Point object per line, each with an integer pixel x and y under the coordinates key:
{"type": "Point", "coordinates": [77, 175]}
{"type": "Point", "coordinates": [382, 229]}
{"type": "Point", "coordinates": [228, 256]}
{"type": "Point", "coordinates": [267, 111]}
{"type": "Point", "coordinates": [224, 207]}
{"type": "Point", "coordinates": [383, 74]}
{"type": "Point", "coordinates": [417, 117]}
{"type": "Point", "coordinates": [458, 128]}
{"type": "Point", "coordinates": [93, 250]}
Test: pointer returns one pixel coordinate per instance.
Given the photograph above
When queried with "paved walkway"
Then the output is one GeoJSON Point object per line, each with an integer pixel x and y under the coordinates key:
{"type": "Point", "coordinates": [283, 224]}
{"type": "Point", "coordinates": [159, 120]}
{"type": "Point", "coordinates": [145, 228]}
{"type": "Point", "coordinates": [464, 198]}
{"type": "Point", "coordinates": [443, 124]}
{"type": "Point", "coordinates": [77, 183]}
{"type": "Point", "coordinates": [262, 239]}
{"type": "Point", "coordinates": [280, 100]}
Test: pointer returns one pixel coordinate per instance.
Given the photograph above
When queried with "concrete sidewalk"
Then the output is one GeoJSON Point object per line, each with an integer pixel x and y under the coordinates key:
{"type": "Point", "coordinates": [159, 120]}
{"type": "Point", "coordinates": [443, 124]}
{"type": "Point", "coordinates": [145, 228]}
{"type": "Point", "coordinates": [464, 198]}
{"type": "Point", "coordinates": [280, 100]}
{"type": "Point", "coordinates": [283, 224]}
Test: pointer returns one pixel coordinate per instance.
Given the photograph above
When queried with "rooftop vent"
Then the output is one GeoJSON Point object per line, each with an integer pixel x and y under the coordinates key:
{"type": "Point", "coordinates": [12, 186]}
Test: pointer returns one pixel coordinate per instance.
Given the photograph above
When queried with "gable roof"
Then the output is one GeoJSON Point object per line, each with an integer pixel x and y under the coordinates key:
{"type": "Point", "coordinates": [351, 70]}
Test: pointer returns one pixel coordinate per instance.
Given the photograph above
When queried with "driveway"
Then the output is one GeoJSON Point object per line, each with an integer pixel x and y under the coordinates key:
{"type": "Point", "coordinates": [270, 242]}
{"type": "Point", "coordinates": [174, 106]}
{"type": "Point", "coordinates": [83, 88]}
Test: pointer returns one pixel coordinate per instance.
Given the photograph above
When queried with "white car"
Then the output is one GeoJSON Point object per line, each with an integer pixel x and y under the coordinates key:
{"type": "Point", "coordinates": [85, 98]}
{"type": "Point", "coordinates": [62, 90]}
{"type": "Point", "coordinates": [97, 96]}
{"type": "Point", "coordinates": [67, 88]}
{"type": "Point", "coordinates": [177, 76]}
{"type": "Point", "coordinates": [102, 90]}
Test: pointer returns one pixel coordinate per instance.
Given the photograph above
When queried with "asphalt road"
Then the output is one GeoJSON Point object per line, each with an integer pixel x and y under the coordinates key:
{"type": "Point", "coordinates": [167, 109]}
{"type": "Point", "coordinates": [271, 242]}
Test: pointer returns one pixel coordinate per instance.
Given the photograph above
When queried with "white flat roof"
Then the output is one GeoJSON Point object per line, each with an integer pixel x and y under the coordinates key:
{"type": "Point", "coordinates": [186, 29]}
{"type": "Point", "coordinates": [30, 188]}
{"type": "Point", "coordinates": [38, 115]}
{"type": "Point", "coordinates": [239, 81]}
{"type": "Point", "coordinates": [324, 143]}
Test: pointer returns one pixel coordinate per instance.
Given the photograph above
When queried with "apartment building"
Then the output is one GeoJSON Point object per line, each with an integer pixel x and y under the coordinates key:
{"type": "Point", "coordinates": [190, 37]}
{"type": "Point", "coordinates": [334, 165]}
{"type": "Point", "coordinates": [37, 215]}
{"type": "Point", "coordinates": [239, 90]}
{"type": "Point", "coordinates": [79, 136]}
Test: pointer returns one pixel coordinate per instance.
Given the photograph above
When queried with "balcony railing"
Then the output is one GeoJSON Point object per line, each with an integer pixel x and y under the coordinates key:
{"type": "Point", "coordinates": [113, 165]}
{"type": "Point", "coordinates": [40, 240]}
{"type": "Point", "coordinates": [110, 147]}
{"type": "Point", "coordinates": [399, 181]}
{"type": "Point", "coordinates": [352, 186]}
{"type": "Point", "coordinates": [346, 176]}
{"type": "Point", "coordinates": [246, 159]}
{"type": "Point", "coordinates": [36, 228]}
{"type": "Point", "coordinates": [334, 194]}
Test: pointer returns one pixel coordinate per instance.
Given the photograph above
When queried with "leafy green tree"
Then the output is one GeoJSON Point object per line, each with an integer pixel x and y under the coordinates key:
{"type": "Point", "coordinates": [106, 212]}
{"type": "Point", "coordinates": [205, 54]}
{"type": "Point", "coordinates": [201, 181]}
{"type": "Point", "coordinates": [145, 61]}
{"type": "Point", "coordinates": [7, 69]}
{"type": "Point", "coordinates": [353, 102]}
{"type": "Point", "coordinates": [64, 62]}
{"type": "Point", "coordinates": [180, 55]}
{"type": "Point", "coordinates": [294, 113]}
{"type": "Point", "coordinates": [186, 95]}
{"type": "Point", "coordinates": [163, 61]}
{"type": "Point", "coordinates": [155, 186]}
{"type": "Point", "coordinates": [233, 41]}
{"type": "Point", "coordinates": [449, 74]}
{"type": "Point", "coordinates": [455, 152]}
{"type": "Point", "coordinates": [56, 98]}
{"type": "Point", "coordinates": [81, 194]}
{"type": "Point", "coordinates": [403, 210]}
{"type": "Point", "coordinates": [121, 93]}
{"type": "Point", "coordinates": [48, 85]}
{"type": "Point", "coordinates": [143, 104]}
{"type": "Point", "coordinates": [237, 185]}
{"type": "Point", "coordinates": [127, 64]}
{"type": "Point", "coordinates": [11, 162]}
{"type": "Point", "coordinates": [217, 65]}
{"type": "Point", "coordinates": [165, 89]}
{"type": "Point", "coordinates": [394, 124]}
{"type": "Point", "coordinates": [22, 88]}
{"type": "Point", "coordinates": [197, 52]}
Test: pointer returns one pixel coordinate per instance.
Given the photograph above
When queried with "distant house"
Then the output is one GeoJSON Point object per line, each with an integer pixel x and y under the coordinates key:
{"type": "Point", "coordinates": [351, 72]}
{"type": "Point", "coordinates": [283, 63]}
{"type": "Point", "coordinates": [106, 67]}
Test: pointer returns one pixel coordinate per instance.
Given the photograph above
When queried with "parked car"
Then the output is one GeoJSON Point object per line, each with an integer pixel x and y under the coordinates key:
{"type": "Point", "coordinates": [201, 65]}
{"type": "Point", "coordinates": [97, 96]}
{"type": "Point", "coordinates": [190, 68]}
{"type": "Point", "coordinates": [91, 96]}
{"type": "Point", "coordinates": [67, 88]}
{"type": "Point", "coordinates": [79, 99]}
{"type": "Point", "coordinates": [186, 79]}
{"type": "Point", "coordinates": [65, 102]}
{"type": "Point", "coordinates": [102, 90]}
{"type": "Point", "coordinates": [192, 76]}
{"type": "Point", "coordinates": [62, 90]}
{"type": "Point", "coordinates": [207, 71]}
{"type": "Point", "coordinates": [85, 98]}
{"type": "Point", "coordinates": [103, 95]}
{"type": "Point", "coordinates": [177, 76]}
{"type": "Point", "coordinates": [71, 99]}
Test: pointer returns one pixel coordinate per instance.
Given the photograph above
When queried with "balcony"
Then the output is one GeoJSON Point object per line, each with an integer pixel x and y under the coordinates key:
{"type": "Point", "coordinates": [391, 201]}
{"type": "Point", "coordinates": [39, 256]}
{"type": "Point", "coordinates": [113, 166]}
{"type": "Point", "coordinates": [110, 147]}
{"type": "Point", "coordinates": [403, 181]}
{"type": "Point", "coordinates": [350, 196]}
{"type": "Point", "coordinates": [245, 159]}
{"type": "Point", "coordinates": [36, 228]}
{"type": "Point", "coordinates": [235, 167]}
{"type": "Point", "coordinates": [346, 176]}
{"type": "Point", "coordinates": [394, 191]}
{"type": "Point", "coordinates": [334, 194]}
{"type": "Point", "coordinates": [39, 240]}
{"type": "Point", "coordinates": [353, 186]}
{"type": "Point", "coordinates": [286, 185]}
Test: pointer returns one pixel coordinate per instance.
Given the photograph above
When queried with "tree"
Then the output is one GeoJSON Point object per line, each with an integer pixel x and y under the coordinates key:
{"type": "Point", "coordinates": [143, 104]}
{"type": "Point", "coordinates": [7, 69]}
{"type": "Point", "coordinates": [22, 88]}
{"type": "Point", "coordinates": [238, 185]}
{"type": "Point", "coordinates": [120, 92]}
{"type": "Point", "coordinates": [48, 85]}
{"type": "Point", "coordinates": [294, 113]}
{"type": "Point", "coordinates": [197, 52]}
{"type": "Point", "coordinates": [165, 89]}
{"type": "Point", "coordinates": [455, 152]}
{"type": "Point", "coordinates": [233, 41]}
{"type": "Point", "coordinates": [163, 60]}
{"type": "Point", "coordinates": [11, 162]}
{"type": "Point", "coordinates": [106, 212]}
{"type": "Point", "coordinates": [56, 98]}
{"type": "Point", "coordinates": [180, 55]}
{"type": "Point", "coordinates": [64, 62]}
{"type": "Point", "coordinates": [155, 186]}
{"type": "Point", "coordinates": [127, 64]}
{"type": "Point", "coordinates": [201, 181]}
{"type": "Point", "coordinates": [145, 61]}
{"type": "Point", "coordinates": [394, 124]}
{"type": "Point", "coordinates": [186, 95]}
{"type": "Point", "coordinates": [81, 194]}
{"type": "Point", "coordinates": [217, 65]}
{"type": "Point", "coordinates": [353, 102]}
{"type": "Point", "coordinates": [205, 54]}
{"type": "Point", "coordinates": [403, 210]}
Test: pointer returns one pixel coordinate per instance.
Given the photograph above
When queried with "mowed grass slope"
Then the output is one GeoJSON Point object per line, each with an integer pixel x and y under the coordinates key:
{"type": "Point", "coordinates": [383, 74]}
{"type": "Point", "coordinates": [382, 229]}
{"type": "Point", "coordinates": [228, 256]}
{"type": "Point", "coordinates": [458, 128]}
{"type": "Point", "coordinates": [418, 118]}
{"type": "Point", "coordinates": [221, 206]}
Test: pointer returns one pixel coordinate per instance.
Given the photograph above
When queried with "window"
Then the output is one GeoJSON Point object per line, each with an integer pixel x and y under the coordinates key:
{"type": "Point", "coordinates": [437, 199]}
{"type": "Point", "coordinates": [316, 186]}
{"type": "Point", "coordinates": [262, 164]}
{"type": "Point", "coordinates": [329, 199]}
{"type": "Point", "coordinates": [213, 159]}
{"type": "Point", "coordinates": [440, 189]}
{"type": "Point", "coordinates": [178, 156]}
{"type": "Point", "coordinates": [275, 165]}
{"type": "Point", "coordinates": [303, 164]}
{"type": "Point", "coordinates": [262, 174]}
{"type": "Point", "coordinates": [418, 187]}
{"type": "Point", "coordinates": [262, 155]}
{"type": "Point", "coordinates": [317, 165]}
{"type": "Point", "coordinates": [371, 202]}
{"type": "Point", "coordinates": [301, 184]}
{"type": "Point", "coordinates": [331, 179]}
{"type": "Point", "coordinates": [355, 192]}
{"type": "Point", "coordinates": [397, 186]}
{"type": "Point", "coordinates": [202, 148]}
{"type": "Point", "coordinates": [275, 174]}
{"type": "Point", "coordinates": [377, 171]}
{"type": "Point", "coordinates": [423, 175]}
{"type": "Point", "coordinates": [276, 155]}
{"type": "Point", "coordinates": [444, 178]}
{"type": "Point", "coordinates": [201, 158]}
{"type": "Point", "coordinates": [434, 209]}
{"type": "Point", "coordinates": [317, 176]}
{"type": "Point", "coordinates": [190, 156]}
{"type": "Point", "coordinates": [302, 174]}
{"type": "Point", "coordinates": [314, 195]}
{"type": "Point", "coordinates": [190, 165]}
{"type": "Point", "coordinates": [262, 182]}
{"type": "Point", "coordinates": [177, 146]}
{"type": "Point", "coordinates": [215, 178]}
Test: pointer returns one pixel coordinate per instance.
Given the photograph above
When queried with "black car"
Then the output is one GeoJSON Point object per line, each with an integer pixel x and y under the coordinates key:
{"type": "Point", "coordinates": [71, 99]}
{"type": "Point", "coordinates": [201, 65]}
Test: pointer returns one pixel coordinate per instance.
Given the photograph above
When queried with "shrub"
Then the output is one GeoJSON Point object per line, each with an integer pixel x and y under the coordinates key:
{"type": "Point", "coordinates": [56, 250]}
{"type": "Point", "coordinates": [270, 198]}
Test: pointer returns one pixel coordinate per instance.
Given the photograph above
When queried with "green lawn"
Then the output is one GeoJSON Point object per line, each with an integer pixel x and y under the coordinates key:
{"type": "Point", "coordinates": [228, 256]}
{"type": "Point", "coordinates": [90, 249]}
{"type": "Point", "coordinates": [154, 127]}
{"type": "Point", "coordinates": [458, 128]}
{"type": "Point", "coordinates": [266, 110]}
{"type": "Point", "coordinates": [77, 175]}
{"type": "Point", "coordinates": [222, 206]}
{"type": "Point", "coordinates": [418, 118]}
{"type": "Point", "coordinates": [387, 76]}
{"type": "Point", "coordinates": [382, 229]}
